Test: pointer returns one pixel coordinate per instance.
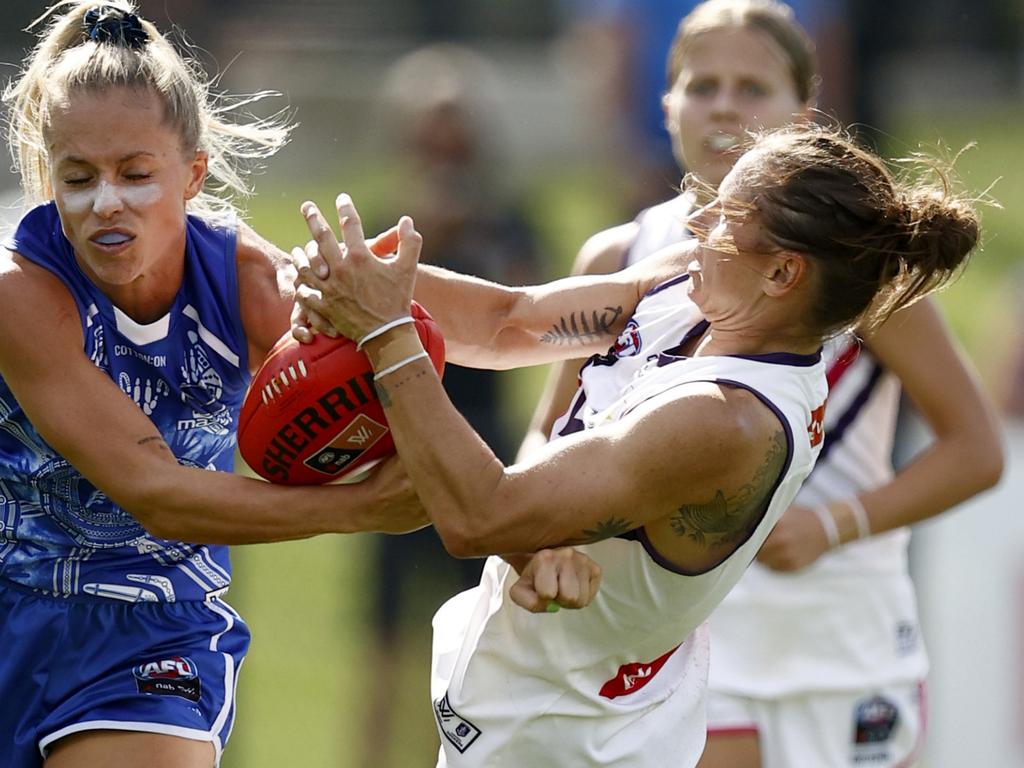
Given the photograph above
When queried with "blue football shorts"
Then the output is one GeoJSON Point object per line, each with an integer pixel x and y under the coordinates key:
{"type": "Point", "coordinates": [73, 665]}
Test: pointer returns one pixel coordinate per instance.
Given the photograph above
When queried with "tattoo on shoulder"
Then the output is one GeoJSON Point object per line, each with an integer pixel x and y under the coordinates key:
{"type": "Point", "coordinates": [726, 519]}
{"type": "Point", "coordinates": [606, 529]}
{"type": "Point", "coordinates": [580, 327]}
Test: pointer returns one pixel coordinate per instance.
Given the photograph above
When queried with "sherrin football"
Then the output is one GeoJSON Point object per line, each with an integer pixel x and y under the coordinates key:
{"type": "Point", "coordinates": [312, 415]}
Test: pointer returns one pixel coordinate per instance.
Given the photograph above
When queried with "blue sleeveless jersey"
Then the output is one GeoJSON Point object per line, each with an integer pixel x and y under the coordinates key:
{"type": "Point", "coordinates": [187, 371]}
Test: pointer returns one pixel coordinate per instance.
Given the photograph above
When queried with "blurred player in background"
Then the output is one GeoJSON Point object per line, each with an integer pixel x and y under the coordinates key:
{"type": "Point", "coordinates": [837, 678]}
{"type": "Point", "coordinates": [684, 442]}
{"type": "Point", "coordinates": [619, 48]}
{"type": "Point", "coordinates": [134, 307]}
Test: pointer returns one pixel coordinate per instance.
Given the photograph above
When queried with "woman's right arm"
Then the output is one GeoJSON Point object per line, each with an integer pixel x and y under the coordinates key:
{"type": "Point", "coordinates": [485, 325]}
{"type": "Point", "coordinates": [89, 421]}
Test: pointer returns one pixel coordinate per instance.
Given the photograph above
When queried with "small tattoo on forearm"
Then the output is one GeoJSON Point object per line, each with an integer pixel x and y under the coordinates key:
{"type": "Point", "coordinates": [395, 381]}
{"type": "Point", "coordinates": [581, 327]}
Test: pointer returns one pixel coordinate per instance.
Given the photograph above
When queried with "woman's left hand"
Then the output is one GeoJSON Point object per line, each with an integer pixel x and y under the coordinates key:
{"type": "Point", "coordinates": [562, 577]}
{"type": "Point", "coordinates": [795, 542]}
{"type": "Point", "coordinates": [344, 287]}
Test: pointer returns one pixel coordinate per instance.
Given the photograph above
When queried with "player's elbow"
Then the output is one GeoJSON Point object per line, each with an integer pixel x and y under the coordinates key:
{"type": "Point", "coordinates": [462, 539]}
{"type": "Point", "coordinates": [989, 461]}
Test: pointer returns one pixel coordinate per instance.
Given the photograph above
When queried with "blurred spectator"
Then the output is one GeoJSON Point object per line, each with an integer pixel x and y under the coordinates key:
{"type": "Point", "coordinates": [620, 48]}
{"type": "Point", "coordinates": [435, 118]}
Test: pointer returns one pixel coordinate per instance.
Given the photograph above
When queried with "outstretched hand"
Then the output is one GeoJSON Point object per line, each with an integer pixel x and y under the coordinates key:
{"type": "Point", "coordinates": [561, 577]}
{"type": "Point", "coordinates": [352, 286]}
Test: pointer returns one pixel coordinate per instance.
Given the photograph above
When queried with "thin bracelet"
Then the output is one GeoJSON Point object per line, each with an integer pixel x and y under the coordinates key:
{"type": "Point", "coordinates": [382, 329]}
{"type": "Point", "coordinates": [392, 368]}
{"type": "Point", "coordinates": [860, 516]}
{"type": "Point", "coordinates": [828, 524]}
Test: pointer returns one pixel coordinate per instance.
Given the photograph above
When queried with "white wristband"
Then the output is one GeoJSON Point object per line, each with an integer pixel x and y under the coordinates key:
{"type": "Point", "coordinates": [828, 524]}
{"type": "Point", "coordinates": [382, 329]}
{"type": "Point", "coordinates": [392, 368]}
{"type": "Point", "coordinates": [860, 517]}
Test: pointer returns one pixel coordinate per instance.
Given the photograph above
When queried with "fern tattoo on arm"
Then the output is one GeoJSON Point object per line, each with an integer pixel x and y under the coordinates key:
{"type": "Point", "coordinates": [581, 327]}
{"type": "Point", "coordinates": [725, 520]}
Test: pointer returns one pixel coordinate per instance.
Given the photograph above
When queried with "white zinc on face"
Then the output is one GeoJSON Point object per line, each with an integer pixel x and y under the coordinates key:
{"type": "Point", "coordinates": [108, 196]}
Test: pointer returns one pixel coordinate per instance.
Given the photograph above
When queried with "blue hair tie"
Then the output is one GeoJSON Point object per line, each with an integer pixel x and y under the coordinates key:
{"type": "Point", "coordinates": [108, 24]}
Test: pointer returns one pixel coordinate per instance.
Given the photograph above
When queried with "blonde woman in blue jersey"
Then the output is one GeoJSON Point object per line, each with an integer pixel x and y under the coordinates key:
{"type": "Point", "coordinates": [134, 307]}
{"type": "Point", "coordinates": [686, 441]}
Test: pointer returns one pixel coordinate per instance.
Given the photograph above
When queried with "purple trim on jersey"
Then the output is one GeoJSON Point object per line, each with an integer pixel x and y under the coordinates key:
{"type": "Point", "coordinates": [834, 436]}
{"type": "Point", "coordinates": [784, 358]}
{"type": "Point", "coordinates": [773, 358]}
{"type": "Point", "coordinates": [573, 424]}
{"type": "Point", "coordinates": [693, 333]}
{"type": "Point", "coordinates": [640, 535]}
{"type": "Point", "coordinates": [666, 284]}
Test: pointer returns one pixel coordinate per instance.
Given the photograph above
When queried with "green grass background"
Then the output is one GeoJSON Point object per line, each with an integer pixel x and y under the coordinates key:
{"type": "Point", "coordinates": [305, 690]}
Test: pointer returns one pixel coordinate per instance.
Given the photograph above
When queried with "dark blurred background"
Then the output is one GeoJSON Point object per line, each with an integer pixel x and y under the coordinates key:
{"type": "Point", "coordinates": [512, 131]}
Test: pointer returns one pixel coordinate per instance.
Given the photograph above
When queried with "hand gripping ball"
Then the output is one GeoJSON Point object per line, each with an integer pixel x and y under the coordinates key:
{"type": "Point", "coordinates": [312, 415]}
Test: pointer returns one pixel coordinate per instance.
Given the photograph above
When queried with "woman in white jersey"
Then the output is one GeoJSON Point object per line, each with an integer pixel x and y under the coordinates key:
{"type": "Point", "coordinates": [684, 443]}
{"type": "Point", "coordinates": [839, 642]}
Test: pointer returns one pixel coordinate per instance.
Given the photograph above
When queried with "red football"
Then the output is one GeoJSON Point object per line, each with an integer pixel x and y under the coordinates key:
{"type": "Point", "coordinates": [312, 415]}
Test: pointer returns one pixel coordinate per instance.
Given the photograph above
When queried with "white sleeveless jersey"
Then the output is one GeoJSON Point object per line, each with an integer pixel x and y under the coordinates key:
{"type": "Point", "coordinates": [850, 619]}
{"type": "Point", "coordinates": [621, 682]}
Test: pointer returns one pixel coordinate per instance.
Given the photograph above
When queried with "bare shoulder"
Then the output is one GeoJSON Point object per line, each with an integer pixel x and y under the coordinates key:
{"type": "Point", "coordinates": [39, 323]}
{"type": "Point", "coordinates": [266, 290]}
{"type": "Point", "coordinates": [605, 251]}
{"type": "Point", "coordinates": [728, 451]}
{"type": "Point", "coordinates": [256, 252]}
{"type": "Point", "coordinates": [24, 288]}
{"type": "Point", "coordinates": [722, 418]}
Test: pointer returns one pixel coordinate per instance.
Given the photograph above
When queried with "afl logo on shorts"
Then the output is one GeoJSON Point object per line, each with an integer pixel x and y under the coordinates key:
{"type": "Point", "coordinates": [875, 721]}
{"type": "Point", "coordinates": [629, 342]}
{"type": "Point", "coordinates": [174, 676]}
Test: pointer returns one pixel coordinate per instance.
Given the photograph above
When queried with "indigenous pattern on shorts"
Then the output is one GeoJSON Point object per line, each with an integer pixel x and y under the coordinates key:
{"type": "Point", "coordinates": [187, 372]}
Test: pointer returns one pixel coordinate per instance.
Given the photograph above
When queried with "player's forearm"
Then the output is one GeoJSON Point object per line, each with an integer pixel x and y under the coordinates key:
{"type": "Point", "coordinates": [471, 313]}
{"type": "Point", "coordinates": [219, 508]}
{"type": "Point", "coordinates": [949, 472]}
{"type": "Point", "coordinates": [486, 325]}
{"type": "Point", "coordinates": [456, 475]}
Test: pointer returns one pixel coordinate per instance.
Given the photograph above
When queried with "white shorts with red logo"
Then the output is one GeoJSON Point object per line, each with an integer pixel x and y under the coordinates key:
{"type": "Point", "coordinates": [873, 728]}
{"type": "Point", "coordinates": [497, 708]}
